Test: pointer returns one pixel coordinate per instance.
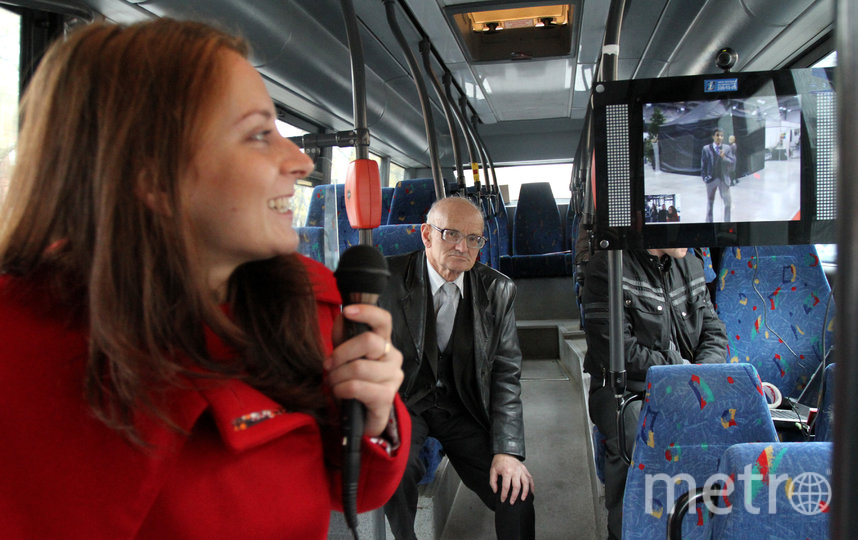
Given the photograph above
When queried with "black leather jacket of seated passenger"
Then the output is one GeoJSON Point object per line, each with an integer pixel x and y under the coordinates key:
{"type": "Point", "coordinates": [493, 389]}
{"type": "Point", "coordinates": [664, 301]}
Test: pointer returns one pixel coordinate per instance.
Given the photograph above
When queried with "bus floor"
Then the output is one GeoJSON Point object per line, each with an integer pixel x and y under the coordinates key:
{"type": "Point", "coordinates": [559, 447]}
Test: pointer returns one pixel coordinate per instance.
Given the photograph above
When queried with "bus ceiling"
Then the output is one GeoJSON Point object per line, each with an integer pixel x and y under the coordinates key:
{"type": "Point", "coordinates": [525, 67]}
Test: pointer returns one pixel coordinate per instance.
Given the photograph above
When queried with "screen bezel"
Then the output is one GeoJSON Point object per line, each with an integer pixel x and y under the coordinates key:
{"type": "Point", "coordinates": [637, 234]}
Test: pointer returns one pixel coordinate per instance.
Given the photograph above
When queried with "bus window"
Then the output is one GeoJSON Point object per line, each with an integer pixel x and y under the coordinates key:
{"type": "Point", "coordinates": [396, 174]}
{"type": "Point", "coordinates": [340, 159]}
{"type": "Point", "coordinates": [10, 44]}
{"type": "Point", "coordinates": [558, 174]}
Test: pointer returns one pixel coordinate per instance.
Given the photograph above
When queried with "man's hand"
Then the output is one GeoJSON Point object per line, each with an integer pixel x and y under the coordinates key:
{"type": "Point", "coordinates": [516, 478]}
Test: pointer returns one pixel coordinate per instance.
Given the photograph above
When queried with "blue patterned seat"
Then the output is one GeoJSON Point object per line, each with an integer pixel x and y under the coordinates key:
{"type": "Point", "coordinates": [691, 414]}
{"type": "Point", "coordinates": [411, 201]}
{"type": "Point", "coordinates": [311, 242]}
{"type": "Point", "coordinates": [824, 429]}
{"type": "Point", "coordinates": [397, 239]}
{"type": "Point", "coordinates": [386, 199]}
{"type": "Point", "coordinates": [504, 248]}
{"type": "Point", "coordinates": [490, 254]}
{"type": "Point", "coordinates": [708, 270]}
{"type": "Point", "coordinates": [319, 215]}
{"type": "Point", "coordinates": [774, 293]}
{"type": "Point", "coordinates": [536, 229]}
{"type": "Point", "coordinates": [537, 236]}
{"type": "Point", "coordinates": [776, 490]}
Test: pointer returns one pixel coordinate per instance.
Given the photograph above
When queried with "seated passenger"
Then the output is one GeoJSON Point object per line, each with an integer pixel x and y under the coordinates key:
{"type": "Point", "coordinates": [169, 367]}
{"type": "Point", "coordinates": [667, 319]}
{"type": "Point", "coordinates": [454, 321]}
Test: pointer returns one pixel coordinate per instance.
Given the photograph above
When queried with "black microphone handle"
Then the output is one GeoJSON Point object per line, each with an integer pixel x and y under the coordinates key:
{"type": "Point", "coordinates": [361, 276]}
{"type": "Point", "coordinates": [353, 413]}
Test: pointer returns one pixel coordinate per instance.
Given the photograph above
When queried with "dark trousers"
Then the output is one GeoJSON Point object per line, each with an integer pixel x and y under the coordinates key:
{"type": "Point", "coordinates": [468, 447]}
{"type": "Point", "coordinates": [603, 413]}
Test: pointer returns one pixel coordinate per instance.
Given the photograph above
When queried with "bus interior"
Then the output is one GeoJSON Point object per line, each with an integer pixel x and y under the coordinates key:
{"type": "Point", "coordinates": [494, 100]}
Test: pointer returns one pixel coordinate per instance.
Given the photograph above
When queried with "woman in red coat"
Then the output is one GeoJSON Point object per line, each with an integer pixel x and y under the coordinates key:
{"type": "Point", "coordinates": [168, 366]}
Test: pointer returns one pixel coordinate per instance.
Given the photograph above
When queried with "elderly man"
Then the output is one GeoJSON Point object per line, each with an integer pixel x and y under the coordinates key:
{"type": "Point", "coordinates": [453, 321]}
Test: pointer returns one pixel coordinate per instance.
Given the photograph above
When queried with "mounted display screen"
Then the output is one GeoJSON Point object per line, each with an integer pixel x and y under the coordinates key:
{"type": "Point", "coordinates": [716, 160]}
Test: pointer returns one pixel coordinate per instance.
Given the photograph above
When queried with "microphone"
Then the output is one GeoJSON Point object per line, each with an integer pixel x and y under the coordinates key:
{"type": "Point", "coordinates": [361, 277]}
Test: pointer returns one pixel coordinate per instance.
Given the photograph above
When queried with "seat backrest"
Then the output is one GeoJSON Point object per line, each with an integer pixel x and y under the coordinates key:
{"type": "Point", "coordinates": [536, 227]}
{"type": "Point", "coordinates": [824, 428]}
{"type": "Point", "coordinates": [386, 199]}
{"type": "Point", "coordinates": [316, 209]}
{"type": "Point", "coordinates": [708, 270]}
{"type": "Point", "coordinates": [490, 232]}
{"type": "Point", "coordinates": [691, 414]}
{"type": "Point", "coordinates": [773, 302]}
{"type": "Point", "coordinates": [504, 247]}
{"type": "Point", "coordinates": [774, 490]}
{"type": "Point", "coordinates": [311, 242]}
{"type": "Point", "coordinates": [321, 214]}
{"type": "Point", "coordinates": [411, 201]}
{"type": "Point", "coordinates": [397, 239]}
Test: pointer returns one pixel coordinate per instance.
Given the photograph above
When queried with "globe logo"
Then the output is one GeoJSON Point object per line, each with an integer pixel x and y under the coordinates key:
{"type": "Point", "coordinates": [811, 493]}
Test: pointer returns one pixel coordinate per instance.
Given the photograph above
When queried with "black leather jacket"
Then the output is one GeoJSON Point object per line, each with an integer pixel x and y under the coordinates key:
{"type": "Point", "coordinates": [496, 384]}
{"type": "Point", "coordinates": [658, 295]}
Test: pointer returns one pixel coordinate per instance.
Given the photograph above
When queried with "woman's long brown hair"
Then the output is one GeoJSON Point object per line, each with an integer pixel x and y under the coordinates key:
{"type": "Point", "coordinates": [110, 111]}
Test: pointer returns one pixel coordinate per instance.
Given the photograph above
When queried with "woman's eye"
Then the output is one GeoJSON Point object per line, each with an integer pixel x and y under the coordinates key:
{"type": "Point", "coordinates": [262, 136]}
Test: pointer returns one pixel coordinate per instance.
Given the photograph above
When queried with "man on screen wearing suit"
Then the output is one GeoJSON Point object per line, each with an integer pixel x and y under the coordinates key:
{"type": "Point", "coordinates": [454, 321]}
{"type": "Point", "coordinates": [716, 160]}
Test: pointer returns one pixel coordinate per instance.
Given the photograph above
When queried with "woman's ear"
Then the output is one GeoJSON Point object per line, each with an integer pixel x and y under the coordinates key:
{"type": "Point", "coordinates": [154, 198]}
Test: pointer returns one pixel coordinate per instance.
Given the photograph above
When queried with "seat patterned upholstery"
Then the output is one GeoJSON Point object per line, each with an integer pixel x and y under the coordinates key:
{"type": "Point", "coordinates": [492, 257]}
{"type": "Point", "coordinates": [411, 201]}
{"type": "Point", "coordinates": [397, 239]}
{"type": "Point", "coordinates": [537, 236]}
{"type": "Point", "coordinates": [824, 428]}
{"type": "Point", "coordinates": [386, 199]}
{"type": "Point", "coordinates": [773, 302]}
{"type": "Point", "coordinates": [691, 414]}
{"type": "Point", "coordinates": [318, 214]}
{"type": "Point", "coordinates": [708, 270]}
{"type": "Point", "coordinates": [779, 490]}
{"type": "Point", "coordinates": [316, 210]}
{"type": "Point", "coordinates": [504, 247]}
{"type": "Point", "coordinates": [311, 242]}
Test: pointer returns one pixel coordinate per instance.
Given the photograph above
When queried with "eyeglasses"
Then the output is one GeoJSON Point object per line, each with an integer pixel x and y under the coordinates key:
{"type": "Point", "coordinates": [474, 241]}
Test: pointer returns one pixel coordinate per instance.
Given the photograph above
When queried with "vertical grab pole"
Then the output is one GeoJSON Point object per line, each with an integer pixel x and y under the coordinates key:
{"type": "Point", "coordinates": [363, 185]}
{"type": "Point", "coordinates": [463, 125]}
{"type": "Point", "coordinates": [844, 520]}
{"type": "Point", "coordinates": [425, 48]}
{"type": "Point", "coordinates": [363, 206]}
{"type": "Point", "coordinates": [428, 122]}
{"type": "Point", "coordinates": [475, 167]}
{"type": "Point", "coordinates": [617, 371]}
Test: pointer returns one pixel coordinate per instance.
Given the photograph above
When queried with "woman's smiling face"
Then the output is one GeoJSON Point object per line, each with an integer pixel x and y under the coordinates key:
{"type": "Point", "coordinates": [242, 178]}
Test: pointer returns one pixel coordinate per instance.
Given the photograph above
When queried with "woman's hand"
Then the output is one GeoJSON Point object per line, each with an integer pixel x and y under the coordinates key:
{"type": "Point", "coordinates": [366, 367]}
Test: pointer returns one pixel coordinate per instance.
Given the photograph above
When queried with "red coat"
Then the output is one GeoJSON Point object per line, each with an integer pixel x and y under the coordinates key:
{"type": "Point", "coordinates": [64, 474]}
